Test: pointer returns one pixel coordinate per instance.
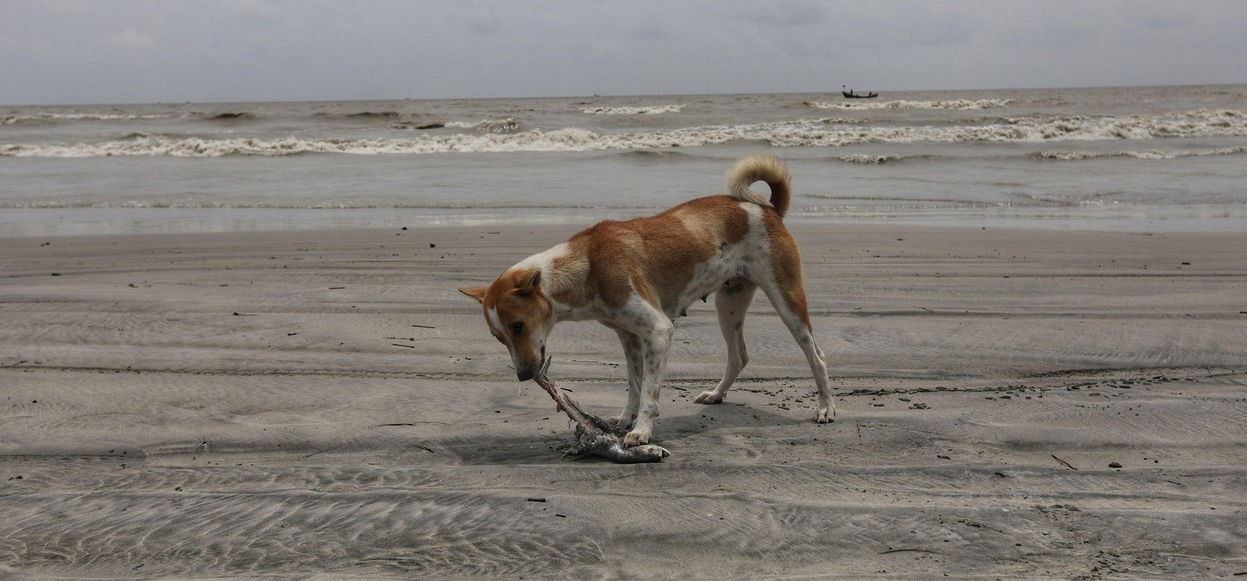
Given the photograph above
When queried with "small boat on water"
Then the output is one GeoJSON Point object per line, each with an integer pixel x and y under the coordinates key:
{"type": "Point", "coordinates": [851, 95]}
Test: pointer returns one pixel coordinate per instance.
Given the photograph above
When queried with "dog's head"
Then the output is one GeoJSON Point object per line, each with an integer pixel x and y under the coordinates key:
{"type": "Point", "coordinates": [519, 316]}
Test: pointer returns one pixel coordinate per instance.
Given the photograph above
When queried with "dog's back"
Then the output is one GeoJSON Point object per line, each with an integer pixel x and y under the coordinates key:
{"type": "Point", "coordinates": [669, 257]}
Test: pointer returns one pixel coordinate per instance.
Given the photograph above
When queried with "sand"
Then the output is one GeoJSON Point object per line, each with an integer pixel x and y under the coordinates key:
{"type": "Point", "coordinates": [326, 403]}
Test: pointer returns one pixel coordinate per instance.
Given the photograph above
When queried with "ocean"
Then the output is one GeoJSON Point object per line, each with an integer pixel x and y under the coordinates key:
{"type": "Point", "coordinates": [1132, 159]}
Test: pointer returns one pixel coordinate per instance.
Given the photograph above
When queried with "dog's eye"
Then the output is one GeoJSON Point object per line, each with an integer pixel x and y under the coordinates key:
{"type": "Point", "coordinates": [517, 328]}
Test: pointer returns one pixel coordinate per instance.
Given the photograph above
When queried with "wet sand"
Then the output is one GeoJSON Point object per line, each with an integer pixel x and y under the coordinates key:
{"type": "Point", "coordinates": [327, 403]}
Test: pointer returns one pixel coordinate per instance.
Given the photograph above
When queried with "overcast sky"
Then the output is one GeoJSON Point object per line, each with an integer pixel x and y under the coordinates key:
{"type": "Point", "coordinates": [83, 51]}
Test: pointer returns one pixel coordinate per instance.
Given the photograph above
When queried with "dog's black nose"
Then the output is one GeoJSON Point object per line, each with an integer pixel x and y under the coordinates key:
{"type": "Point", "coordinates": [524, 374]}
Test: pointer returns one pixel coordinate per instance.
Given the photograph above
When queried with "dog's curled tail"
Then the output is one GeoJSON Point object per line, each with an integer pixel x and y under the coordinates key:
{"type": "Point", "coordinates": [760, 168]}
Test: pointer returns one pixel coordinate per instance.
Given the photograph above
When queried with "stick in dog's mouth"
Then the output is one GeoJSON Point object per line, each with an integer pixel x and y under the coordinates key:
{"type": "Point", "coordinates": [595, 436]}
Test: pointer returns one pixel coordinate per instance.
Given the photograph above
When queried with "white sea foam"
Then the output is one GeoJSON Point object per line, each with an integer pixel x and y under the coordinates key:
{"type": "Point", "coordinates": [878, 159]}
{"type": "Point", "coordinates": [194, 204]}
{"type": "Point", "coordinates": [1143, 154]}
{"type": "Point", "coordinates": [953, 104]}
{"type": "Point", "coordinates": [46, 117]}
{"type": "Point", "coordinates": [504, 125]}
{"type": "Point", "coordinates": [799, 133]}
{"type": "Point", "coordinates": [652, 110]}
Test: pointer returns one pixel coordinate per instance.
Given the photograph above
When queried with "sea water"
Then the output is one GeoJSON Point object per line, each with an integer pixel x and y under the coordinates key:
{"type": "Point", "coordinates": [1141, 158]}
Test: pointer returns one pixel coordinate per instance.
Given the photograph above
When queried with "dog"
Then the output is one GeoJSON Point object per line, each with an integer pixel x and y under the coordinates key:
{"type": "Point", "coordinates": [635, 276]}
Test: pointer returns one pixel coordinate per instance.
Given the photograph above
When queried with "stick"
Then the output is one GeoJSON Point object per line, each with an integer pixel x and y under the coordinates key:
{"type": "Point", "coordinates": [889, 551]}
{"type": "Point", "coordinates": [593, 434]}
{"type": "Point", "coordinates": [1067, 464]}
{"type": "Point", "coordinates": [560, 402]}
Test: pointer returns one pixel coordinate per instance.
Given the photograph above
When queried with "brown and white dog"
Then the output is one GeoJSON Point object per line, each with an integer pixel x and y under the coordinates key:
{"type": "Point", "coordinates": [636, 276]}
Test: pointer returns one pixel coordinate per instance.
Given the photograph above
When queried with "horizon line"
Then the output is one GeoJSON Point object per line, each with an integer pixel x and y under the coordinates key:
{"type": "Point", "coordinates": [600, 96]}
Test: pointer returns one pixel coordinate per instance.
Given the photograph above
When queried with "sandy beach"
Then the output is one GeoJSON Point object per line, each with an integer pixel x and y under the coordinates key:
{"type": "Point", "coordinates": [1012, 403]}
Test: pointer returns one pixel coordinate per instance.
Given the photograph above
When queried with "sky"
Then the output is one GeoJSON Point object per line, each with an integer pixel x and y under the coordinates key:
{"type": "Point", "coordinates": [125, 51]}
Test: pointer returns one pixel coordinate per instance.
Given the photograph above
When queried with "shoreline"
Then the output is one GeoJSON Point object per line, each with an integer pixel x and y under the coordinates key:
{"type": "Point", "coordinates": [25, 223]}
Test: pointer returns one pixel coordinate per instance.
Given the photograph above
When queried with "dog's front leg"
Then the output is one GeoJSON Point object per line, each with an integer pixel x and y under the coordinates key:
{"type": "Point", "coordinates": [636, 372]}
{"type": "Point", "coordinates": [655, 344]}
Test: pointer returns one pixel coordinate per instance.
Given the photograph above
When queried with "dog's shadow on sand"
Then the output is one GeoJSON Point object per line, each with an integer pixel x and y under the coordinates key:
{"type": "Point", "coordinates": [676, 433]}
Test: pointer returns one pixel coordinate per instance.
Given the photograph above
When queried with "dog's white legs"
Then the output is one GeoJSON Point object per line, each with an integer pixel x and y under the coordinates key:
{"type": "Point", "coordinates": [654, 331]}
{"type": "Point", "coordinates": [655, 348]}
{"type": "Point", "coordinates": [790, 304]}
{"type": "Point", "coordinates": [731, 302]}
{"type": "Point", "coordinates": [632, 352]}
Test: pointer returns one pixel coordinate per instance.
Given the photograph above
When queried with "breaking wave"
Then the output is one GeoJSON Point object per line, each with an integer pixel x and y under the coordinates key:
{"type": "Point", "coordinates": [879, 159]}
{"type": "Point", "coordinates": [504, 125]}
{"type": "Point", "coordinates": [953, 104]}
{"type": "Point", "coordinates": [418, 125]}
{"type": "Point", "coordinates": [1145, 154]}
{"type": "Point", "coordinates": [374, 115]}
{"type": "Point", "coordinates": [897, 202]}
{"type": "Point", "coordinates": [849, 201]}
{"type": "Point", "coordinates": [653, 110]}
{"type": "Point", "coordinates": [799, 133]}
{"type": "Point", "coordinates": [229, 116]}
{"type": "Point", "coordinates": [236, 205]}
{"type": "Point", "coordinates": [53, 117]}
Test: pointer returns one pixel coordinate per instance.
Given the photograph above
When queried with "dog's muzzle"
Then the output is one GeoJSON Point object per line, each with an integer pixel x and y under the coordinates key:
{"type": "Point", "coordinates": [526, 373]}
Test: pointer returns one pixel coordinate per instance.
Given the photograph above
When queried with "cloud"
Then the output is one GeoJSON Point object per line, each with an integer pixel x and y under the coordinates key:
{"type": "Point", "coordinates": [251, 7]}
{"type": "Point", "coordinates": [784, 14]}
{"type": "Point", "coordinates": [176, 50]}
{"type": "Point", "coordinates": [66, 5]}
{"type": "Point", "coordinates": [130, 39]}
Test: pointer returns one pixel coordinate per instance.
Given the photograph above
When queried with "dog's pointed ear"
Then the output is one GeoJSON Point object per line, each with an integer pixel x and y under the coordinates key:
{"type": "Point", "coordinates": [477, 293]}
{"type": "Point", "coordinates": [526, 283]}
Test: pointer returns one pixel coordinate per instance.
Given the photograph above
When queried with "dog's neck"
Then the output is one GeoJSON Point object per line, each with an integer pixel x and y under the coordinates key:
{"type": "Point", "coordinates": [564, 280]}
{"type": "Point", "coordinates": [562, 308]}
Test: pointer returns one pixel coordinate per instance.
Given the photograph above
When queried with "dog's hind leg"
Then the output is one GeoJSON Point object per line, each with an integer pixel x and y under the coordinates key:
{"type": "Point", "coordinates": [788, 296]}
{"type": "Point", "coordinates": [732, 302]}
{"type": "Point", "coordinates": [632, 353]}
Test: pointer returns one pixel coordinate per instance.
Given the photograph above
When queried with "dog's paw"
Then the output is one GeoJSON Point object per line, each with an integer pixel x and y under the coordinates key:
{"type": "Point", "coordinates": [709, 397]}
{"type": "Point", "coordinates": [636, 438]}
{"type": "Point", "coordinates": [825, 416]}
